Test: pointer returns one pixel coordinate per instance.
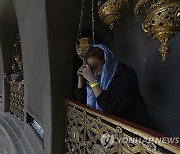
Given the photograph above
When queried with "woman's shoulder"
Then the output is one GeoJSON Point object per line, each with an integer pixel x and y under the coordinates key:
{"type": "Point", "coordinates": [122, 67]}
{"type": "Point", "coordinates": [125, 71]}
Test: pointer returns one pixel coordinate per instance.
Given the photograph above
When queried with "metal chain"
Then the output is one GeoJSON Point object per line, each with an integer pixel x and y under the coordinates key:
{"type": "Point", "coordinates": [81, 19]}
{"type": "Point", "coordinates": [80, 22]}
{"type": "Point", "coordinates": [93, 25]}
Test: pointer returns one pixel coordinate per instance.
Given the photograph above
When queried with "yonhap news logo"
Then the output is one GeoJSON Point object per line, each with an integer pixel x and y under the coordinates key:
{"type": "Point", "coordinates": [107, 140]}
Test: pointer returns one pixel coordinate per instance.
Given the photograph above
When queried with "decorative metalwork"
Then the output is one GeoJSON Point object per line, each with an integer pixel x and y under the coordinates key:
{"type": "Point", "coordinates": [90, 132]}
{"type": "Point", "coordinates": [82, 43]}
{"type": "Point", "coordinates": [17, 101]}
{"type": "Point", "coordinates": [16, 81]}
{"type": "Point", "coordinates": [113, 11]}
{"type": "Point", "coordinates": [96, 149]}
{"type": "Point", "coordinates": [75, 128]}
{"type": "Point", "coordinates": [161, 20]}
{"type": "Point", "coordinates": [83, 46]}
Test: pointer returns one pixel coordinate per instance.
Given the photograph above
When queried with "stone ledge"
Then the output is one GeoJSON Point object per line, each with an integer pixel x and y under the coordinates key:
{"type": "Point", "coordinates": [12, 129]}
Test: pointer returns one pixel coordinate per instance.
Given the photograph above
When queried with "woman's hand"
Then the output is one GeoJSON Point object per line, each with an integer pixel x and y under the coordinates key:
{"type": "Point", "coordinates": [86, 72]}
{"type": "Point", "coordinates": [80, 78]}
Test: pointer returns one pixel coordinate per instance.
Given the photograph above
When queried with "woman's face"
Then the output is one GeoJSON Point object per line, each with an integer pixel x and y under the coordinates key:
{"type": "Point", "coordinates": [96, 65]}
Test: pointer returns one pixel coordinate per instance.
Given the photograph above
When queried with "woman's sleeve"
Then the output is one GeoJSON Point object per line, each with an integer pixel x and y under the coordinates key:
{"type": "Point", "coordinates": [121, 96]}
{"type": "Point", "coordinates": [81, 95]}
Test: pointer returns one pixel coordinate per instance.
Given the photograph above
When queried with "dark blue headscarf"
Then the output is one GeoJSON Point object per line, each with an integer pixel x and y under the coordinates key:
{"type": "Point", "coordinates": [108, 73]}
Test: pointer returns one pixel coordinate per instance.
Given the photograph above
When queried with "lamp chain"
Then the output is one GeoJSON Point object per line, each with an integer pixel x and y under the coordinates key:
{"type": "Point", "coordinates": [93, 22]}
{"type": "Point", "coordinates": [80, 22]}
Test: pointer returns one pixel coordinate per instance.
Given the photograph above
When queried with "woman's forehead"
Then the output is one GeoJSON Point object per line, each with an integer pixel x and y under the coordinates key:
{"type": "Point", "coordinates": [92, 60]}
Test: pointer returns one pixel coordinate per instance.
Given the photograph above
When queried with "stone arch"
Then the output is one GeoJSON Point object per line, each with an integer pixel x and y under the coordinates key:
{"type": "Point", "coordinates": [31, 19]}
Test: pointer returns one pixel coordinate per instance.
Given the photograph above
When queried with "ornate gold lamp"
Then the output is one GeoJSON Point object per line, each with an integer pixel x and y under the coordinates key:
{"type": "Point", "coordinates": [113, 11]}
{"type": "Point", "coordinates": [161, 20]}
{"type": "Point", "coordinates": [83, 46]}
{"type": "Point", "coordinates": [82, 43]}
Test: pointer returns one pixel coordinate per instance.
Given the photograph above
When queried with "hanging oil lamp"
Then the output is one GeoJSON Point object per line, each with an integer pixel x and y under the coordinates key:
{"type": "Point", "coordinates": [83, 46]}
{"type": "Point", "coordinates": [161, 20]}
{"type": "Point", "coordinates": [82, 43]}
{"type": "Point", "coordinates": [113, 11]}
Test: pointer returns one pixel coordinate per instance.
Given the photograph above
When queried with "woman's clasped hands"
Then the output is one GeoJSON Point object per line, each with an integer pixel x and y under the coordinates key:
{"type": "Point", "coordinates": [86, 72]}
